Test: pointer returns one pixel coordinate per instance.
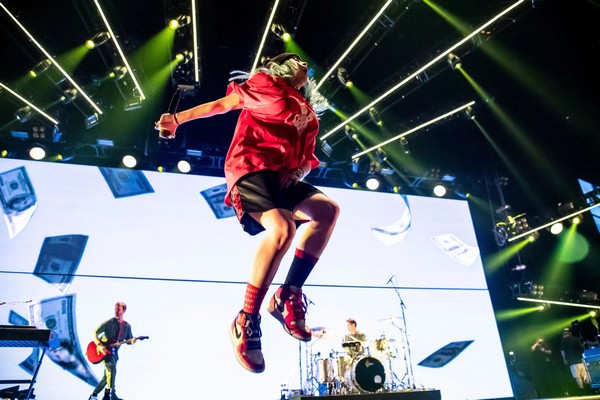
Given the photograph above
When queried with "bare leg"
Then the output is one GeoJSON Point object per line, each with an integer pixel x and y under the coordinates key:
{"type": "Point", "coordinates": [323, 213]}
{"type": "Point", "coordinates": [280, 229]}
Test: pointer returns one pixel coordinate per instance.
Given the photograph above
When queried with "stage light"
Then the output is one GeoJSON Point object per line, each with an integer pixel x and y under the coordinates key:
{"type": "Point", "coordinates": [556, 228]}
{"type": "Point", "coordinates": [38, 132]}
{"type": "Point", "coordinates": [454, 61]}
{"type": "Point", "coordinates": [439, 190]}
{"type": "Point", "coordinates": [264, 36]}
{"type": "Point", "coordinates": [180, 21]}
{"type": "Point", "coordinates": [350, 132]}
{"type": "Point", "coordinates": [279, 31]}
{"type": "Point", "coordinates": [342, 76]}
{"type": "Point", "coordinates": [98, 40]}
{"type": "Point", "coordinates": [410, 78]}
{"type": "Point", "coordinates": [92, 120]}
{"type": "Point", "coordinates": [576, 220]}
{"type": "Point", "coordinates": [404, 145]}
{"type": "Point", "coordinates": [129, 161]}
{"type": "Point", "coordinates": [69, 95]}
{"type": "Point", "coordinates": [56, 64]}
{"type": "Point", "coordinates": [469, 113]}
{"type": "Point", "coordinates": [37, 152]}
{"type": "Point", "coordinates": [354, 43]}
{"type": "Point", "coordinates": [119, 50]}
{"type": "Point", "coordinates": [118, 73]}
{"type": "Point", "coordinates": [374, 115]}
{"type": "Point", "coordinates": [373, 183]}
{"type": "Point", "coordinates": [184, 166]}
{"type": "Point", "coordinates": [40, 67]}
{"type": "Point", "coordinates": [23, 114]}
{"type": "Point", "coordinates": [184, 56]}
{"type": "Point", "coordinates": [423, 125]}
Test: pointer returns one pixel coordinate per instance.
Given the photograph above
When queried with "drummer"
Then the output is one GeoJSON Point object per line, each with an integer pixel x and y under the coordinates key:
{"type": "Point", "coordinates": [354, 341]}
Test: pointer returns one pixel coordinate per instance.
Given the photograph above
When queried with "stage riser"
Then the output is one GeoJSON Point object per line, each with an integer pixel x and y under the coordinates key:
{"type": "Point", "coordinates": [416, 395]}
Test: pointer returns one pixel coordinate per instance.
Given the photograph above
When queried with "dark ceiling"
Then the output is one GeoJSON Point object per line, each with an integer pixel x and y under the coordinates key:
{"type": "Point", "coordinates": [533, 75]}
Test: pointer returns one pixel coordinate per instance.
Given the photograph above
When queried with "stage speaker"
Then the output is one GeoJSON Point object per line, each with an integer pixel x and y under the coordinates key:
{"type": "Point", "coordinates": [591, 360]}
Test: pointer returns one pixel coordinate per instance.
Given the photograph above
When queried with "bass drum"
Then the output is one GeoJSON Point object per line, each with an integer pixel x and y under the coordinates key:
{"type": "Point", "coordinates": [368, 374]}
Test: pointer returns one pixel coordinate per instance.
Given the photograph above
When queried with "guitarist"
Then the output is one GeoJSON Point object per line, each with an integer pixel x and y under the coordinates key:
{"type": "Point", "coordinates": [111, 331]}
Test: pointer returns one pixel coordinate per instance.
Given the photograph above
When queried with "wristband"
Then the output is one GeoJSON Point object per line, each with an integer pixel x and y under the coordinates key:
{"type": "Point", "coordinates": [175, 118]}
{"type": "Point", "coordinates": [299, 172]}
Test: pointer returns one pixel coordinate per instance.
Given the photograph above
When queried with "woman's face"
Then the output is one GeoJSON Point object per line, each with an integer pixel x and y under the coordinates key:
{"type": "Point", "coordinates": [300, 72]}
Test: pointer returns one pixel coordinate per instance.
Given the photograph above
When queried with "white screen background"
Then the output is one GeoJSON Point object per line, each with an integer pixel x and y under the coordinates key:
{"type": "Point", "coordinates": [182, 273]}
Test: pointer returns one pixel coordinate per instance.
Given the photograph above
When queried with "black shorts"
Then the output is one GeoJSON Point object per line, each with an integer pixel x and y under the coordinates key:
{"type": "Point", "coordinates": [261, 191]}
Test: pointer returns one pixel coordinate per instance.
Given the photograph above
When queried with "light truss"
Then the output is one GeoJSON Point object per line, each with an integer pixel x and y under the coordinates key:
{"type": "Point", "coordinates": [408, 132]}
{"type": "Point", "coordinates": [566, 217]}
{"type": "Point", "coordinates": [561, 303]}
{"type": "Point", "coordinates": [353, 44]}
{"type": "Point", "coordinates": [441, 56]}
{"type": "Point", "coordinates": [24, 100]}
{"type": "Point", "coordinates": [119, 50]}
{"type": "Point", "coordinates": [195, 41]}
{"type": "Point", "coordinates": [58, 66]}
{"type": "Point", "coordinates": [264, 37]}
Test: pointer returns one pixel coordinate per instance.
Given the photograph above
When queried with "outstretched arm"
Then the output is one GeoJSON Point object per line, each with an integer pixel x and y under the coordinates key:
{"type": "Point", "coordinates": [170, 122]}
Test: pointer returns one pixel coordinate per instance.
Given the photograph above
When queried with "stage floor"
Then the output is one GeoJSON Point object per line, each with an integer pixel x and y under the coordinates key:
{"type": "Point", "coordinates": [424, 394]}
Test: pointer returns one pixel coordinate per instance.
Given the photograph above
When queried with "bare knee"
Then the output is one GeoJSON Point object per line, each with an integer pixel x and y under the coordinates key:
{"type": "Point", "coordinates": [282, 233]}
{"type": "Point", "coordinates": [328, 213]}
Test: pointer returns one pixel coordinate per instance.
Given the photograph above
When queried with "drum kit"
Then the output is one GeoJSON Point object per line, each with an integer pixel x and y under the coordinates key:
{"type": "Point", "coordinates": [361, 366]}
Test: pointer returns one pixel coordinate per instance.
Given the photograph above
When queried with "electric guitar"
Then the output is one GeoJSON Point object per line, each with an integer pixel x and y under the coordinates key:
{"type": "Point", "coordinates": [92, 349]}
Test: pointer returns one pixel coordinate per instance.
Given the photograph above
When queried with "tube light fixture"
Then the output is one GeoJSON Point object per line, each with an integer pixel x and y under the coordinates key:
{"type": "Point", "coordinates": [412, 76]}
{"type": "Point", "coordinates": [566, 217]}
{"type": "Point", "coordinates": [60, 68]}
{"type": "Point", "coordinates": [265, 33]}
{"type": "Point", "coordinates": [354, 43]}
{"type": "Point", "coordinates": [403, 134]}
{"type": "Point", "coordinates": [30, 104]}
{"type": "Point", "coordinates": [119, 50]}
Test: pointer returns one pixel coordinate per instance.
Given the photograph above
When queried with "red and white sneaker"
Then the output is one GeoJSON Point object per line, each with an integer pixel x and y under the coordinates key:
{"type": "Point", "coordinates": [245, 335]}
{"type": "Point", "coordinates": [288, 306]}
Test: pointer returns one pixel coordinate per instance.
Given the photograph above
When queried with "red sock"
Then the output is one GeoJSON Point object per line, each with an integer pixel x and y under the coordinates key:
{"type": "Point", "coordinates": [253, 299]}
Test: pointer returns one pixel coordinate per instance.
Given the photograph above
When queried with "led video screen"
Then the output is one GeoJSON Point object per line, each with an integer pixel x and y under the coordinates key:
{"type": "Point", "coordinates": [77, 239]}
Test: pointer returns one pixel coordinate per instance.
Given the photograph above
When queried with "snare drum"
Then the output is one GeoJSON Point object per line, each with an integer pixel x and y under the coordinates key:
{"type": "Point", "coordinates": [368, 374]}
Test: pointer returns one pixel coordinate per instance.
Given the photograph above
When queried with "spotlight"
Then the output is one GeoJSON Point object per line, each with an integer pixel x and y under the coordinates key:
{"type": "Point", "coordinates": [577, 219]}
{"type": "Point", "coordinates": [98, 40]}
{"type": "Point", "coordinates": [129, 161]}
{"type": "Point", "coordinates": [342, 76]}
{"type": "Point", "coordinates": [469, 113]}
{"type": "Point", "coordinates": [454, 61]}
{"type": "Point", "coordinates": [69, 95]}
{"type": "Point", "coordinates": [38, 132]}
{"type": "Point", "coordinates": [439, 190]}
{"type": "Point", "coordinates": [350, 132]}
{"type": "Point", "coordinates": [375, 116]}
{"type": "Point", "coordinates": [373, 183]}
{"type": "Point", "coordinates": [118, 73]}
{"type": "Point", "coordinates": [40, 67]}
{"type": "Point", "coordinates": [278, 30]}
{"type": "Point", "coordinates": [184, 56]}
{"type": "Point", "coordinates": [404, 145]}
{"type": "Point", "coordinates": [92, 120]}
{"type": "Point", "coordinates": [37, 152]}
{"type": "Point", "coordinates": [180, 21]}
{"type": "Point", "coordinates": [556, 228]}
{"type": "Point", "coordinates": [184, 166]}
{"type": "Point", "coordinates": [24, 114]}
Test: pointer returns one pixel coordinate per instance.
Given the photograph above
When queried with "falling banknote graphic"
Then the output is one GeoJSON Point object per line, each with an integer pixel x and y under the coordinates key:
{"type": "Point", "coordinates": [396, 232]}
{"type": "Point", "coordinates": [456, 249]}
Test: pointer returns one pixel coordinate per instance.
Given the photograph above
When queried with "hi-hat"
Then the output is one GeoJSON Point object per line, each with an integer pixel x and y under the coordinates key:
{"type": "Point", "coordinates": [391, 319]}
{"type": "Point", "coordinates": [321, 332]}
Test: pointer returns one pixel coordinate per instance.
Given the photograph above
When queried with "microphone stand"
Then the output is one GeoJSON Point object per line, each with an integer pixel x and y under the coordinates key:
{"type": "Point", "coordinates": [409, 369]}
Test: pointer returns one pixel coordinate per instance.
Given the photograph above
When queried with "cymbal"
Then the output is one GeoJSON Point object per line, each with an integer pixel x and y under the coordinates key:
{"type": "Point", "coordinates": [321, 332]}
{"type": "Point", "coordinates": [391, 319]}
